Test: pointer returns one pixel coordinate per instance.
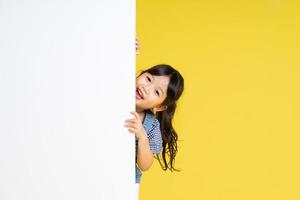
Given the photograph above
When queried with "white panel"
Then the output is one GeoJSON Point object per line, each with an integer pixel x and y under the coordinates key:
{"type": "Point", "coordinates": [66, 86]}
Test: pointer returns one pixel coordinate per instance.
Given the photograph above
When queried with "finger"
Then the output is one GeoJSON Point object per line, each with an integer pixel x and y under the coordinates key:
{"type": "Point", "coordinates": [133, 113]}
{"type": "Point", "coordinates": [133, 126]}
{"type": "Point", "coordinates": [136, 116]}
{"type": "Point", "coordinates": [131, 131]}
{"type": "Point", "coordinates": [130, 120]}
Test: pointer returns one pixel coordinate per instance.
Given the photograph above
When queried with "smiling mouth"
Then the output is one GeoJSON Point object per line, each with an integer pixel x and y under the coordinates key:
{"type": "Point", "coordinates": [138, 94]}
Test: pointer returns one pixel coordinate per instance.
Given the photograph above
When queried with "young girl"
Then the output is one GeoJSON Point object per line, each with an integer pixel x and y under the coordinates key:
{"type": "Point", "coordinates": [157, 90]}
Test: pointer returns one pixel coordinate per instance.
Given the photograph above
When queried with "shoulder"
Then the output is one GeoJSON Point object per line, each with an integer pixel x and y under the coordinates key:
{"type": "Point", "coordinates": [150, 122]}
{"type": "Point", "coordinates": [152, 128]}
{"type": "Point", "coordinates": [155, 124]}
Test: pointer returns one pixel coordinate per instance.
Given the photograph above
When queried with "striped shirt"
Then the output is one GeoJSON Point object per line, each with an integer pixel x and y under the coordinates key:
{"type": "Point", "coordinates": [152, 128]}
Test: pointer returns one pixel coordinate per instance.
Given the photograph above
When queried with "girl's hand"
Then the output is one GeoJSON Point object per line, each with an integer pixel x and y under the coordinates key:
{"type": "Point", "coordinates": [137, 46]}
{"type": "Point", "coordinates": [135, 126]}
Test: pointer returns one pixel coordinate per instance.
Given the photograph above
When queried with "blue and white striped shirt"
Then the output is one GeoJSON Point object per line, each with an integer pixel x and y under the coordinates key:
{"type": "Point", "coordinates": [152, 127]}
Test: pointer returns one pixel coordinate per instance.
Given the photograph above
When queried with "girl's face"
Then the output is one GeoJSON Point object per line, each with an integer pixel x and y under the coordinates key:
{"type": "Point", "coordinates": [151, 91]}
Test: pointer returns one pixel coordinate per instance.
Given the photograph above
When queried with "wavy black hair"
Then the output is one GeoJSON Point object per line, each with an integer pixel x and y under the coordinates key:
{"type": "Point", "coordinates": [165, 117]}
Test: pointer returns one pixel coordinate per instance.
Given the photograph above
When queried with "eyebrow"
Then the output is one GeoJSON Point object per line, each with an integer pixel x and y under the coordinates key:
{"type": "Point", "coordinates": [159, 87]}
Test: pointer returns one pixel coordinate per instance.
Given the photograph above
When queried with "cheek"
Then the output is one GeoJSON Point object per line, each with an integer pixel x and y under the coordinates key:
{"type": "Point", "coordinates": [140, 81]}
{"type": "Point", "coordinates": [152, 98]}
{"type": "Point", "coordinates": [156, 99]}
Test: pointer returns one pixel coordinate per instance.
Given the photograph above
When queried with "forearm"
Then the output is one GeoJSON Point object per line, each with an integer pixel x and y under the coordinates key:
{"type": "Point", "coordinates": [144, 154]}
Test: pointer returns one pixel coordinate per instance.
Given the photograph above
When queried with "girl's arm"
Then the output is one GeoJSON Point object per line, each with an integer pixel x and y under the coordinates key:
{"type": "Point", "coordinates": [144, 155]}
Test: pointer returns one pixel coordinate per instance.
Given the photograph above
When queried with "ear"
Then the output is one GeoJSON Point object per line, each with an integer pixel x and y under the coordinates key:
{"type": "Point", "coordinates": [159, 108]}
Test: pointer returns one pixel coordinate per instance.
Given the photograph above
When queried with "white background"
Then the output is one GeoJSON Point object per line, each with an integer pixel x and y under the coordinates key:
{"type": "Point", "coordinates": [67, 75]}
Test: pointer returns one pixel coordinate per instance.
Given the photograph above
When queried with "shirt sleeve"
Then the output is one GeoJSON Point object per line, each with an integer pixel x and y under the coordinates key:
{"type": "Point", "coordinates": [155, 138]}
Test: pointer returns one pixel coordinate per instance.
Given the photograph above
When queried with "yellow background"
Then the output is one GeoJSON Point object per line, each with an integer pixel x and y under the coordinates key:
{"type": "Point", "coordinates": [239, 117]}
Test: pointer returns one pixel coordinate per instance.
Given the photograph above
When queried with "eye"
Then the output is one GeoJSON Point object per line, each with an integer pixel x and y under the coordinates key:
{"type": "Point", "coordinates": [157, 92]}
{"type": "Point", "coordinates": [148, 78]}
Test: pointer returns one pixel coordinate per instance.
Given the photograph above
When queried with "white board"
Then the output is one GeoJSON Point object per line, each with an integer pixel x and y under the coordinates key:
{"type": "Point", "coordinates": [67, 83]}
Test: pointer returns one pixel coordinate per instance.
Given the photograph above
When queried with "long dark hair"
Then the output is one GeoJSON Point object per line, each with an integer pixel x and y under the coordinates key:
{"type": "Point", "coordinates": [169, 135]}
